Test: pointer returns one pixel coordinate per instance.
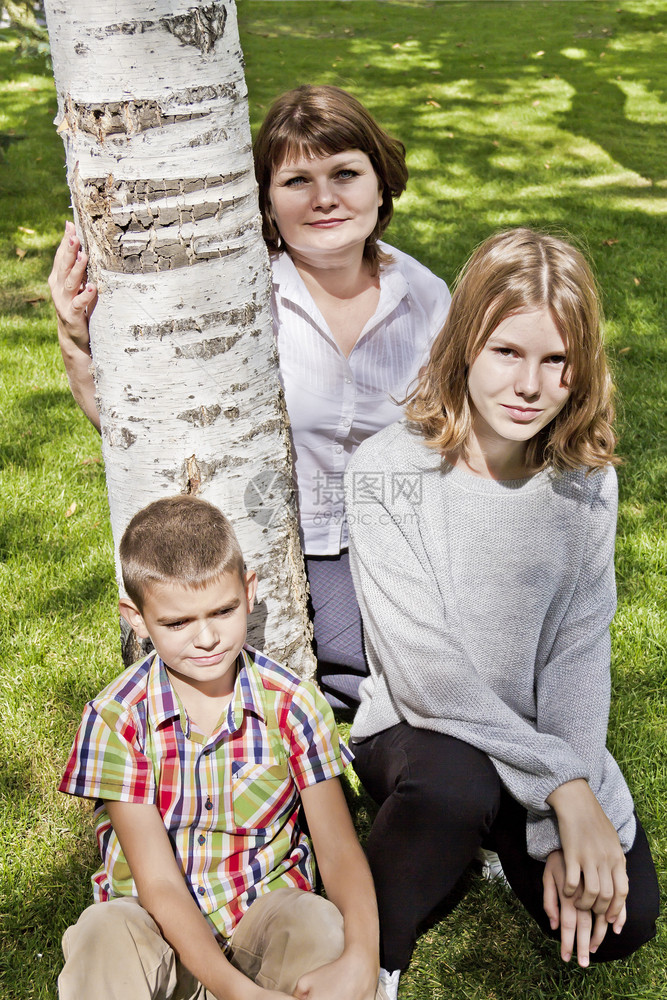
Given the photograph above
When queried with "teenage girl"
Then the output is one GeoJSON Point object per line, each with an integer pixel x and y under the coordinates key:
{"type": "Point", "coordinates": [482, 549]}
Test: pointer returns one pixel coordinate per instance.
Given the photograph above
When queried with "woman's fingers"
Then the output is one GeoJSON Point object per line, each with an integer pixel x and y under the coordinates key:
{"type": "Point", "coordinates": [73, 297]}
{"type": "Point", "coordinates": [75, 279]}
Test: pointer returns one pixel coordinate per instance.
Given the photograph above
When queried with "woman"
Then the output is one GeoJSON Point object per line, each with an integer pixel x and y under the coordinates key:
{"type": "Point", "coordinates": [482, 545]}
{"type": "Point", "coordinates": [353, 317]}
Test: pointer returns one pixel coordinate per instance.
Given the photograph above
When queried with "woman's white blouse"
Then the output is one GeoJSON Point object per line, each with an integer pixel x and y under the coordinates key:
{"type": "Point", "coordinates": [335, 403]}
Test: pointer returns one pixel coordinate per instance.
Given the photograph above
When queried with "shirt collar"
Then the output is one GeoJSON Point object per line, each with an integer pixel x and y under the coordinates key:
{"type": "Point", "coordinates": [164, 705]}
{"type": "Point", "coordinates": [162, 701]}
{"type": "Point", "coordinates": [248, 691]}
{"type": "Point", "coordinates": [287, 283]}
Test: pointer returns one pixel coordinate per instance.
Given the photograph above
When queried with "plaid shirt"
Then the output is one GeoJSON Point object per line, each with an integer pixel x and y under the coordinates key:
{"type": "Point", "coordinates": [229, 802]}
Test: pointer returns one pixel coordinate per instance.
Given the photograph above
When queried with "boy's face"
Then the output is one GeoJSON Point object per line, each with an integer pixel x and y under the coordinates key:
{"type": "Point", "coordinates": [197, 633]}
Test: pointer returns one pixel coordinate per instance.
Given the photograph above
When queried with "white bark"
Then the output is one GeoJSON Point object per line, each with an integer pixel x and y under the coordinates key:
{"type": "Point", "coordinates": [153, 113]}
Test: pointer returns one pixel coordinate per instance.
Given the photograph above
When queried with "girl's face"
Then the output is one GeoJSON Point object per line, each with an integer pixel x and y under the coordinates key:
{"type": "Point", "coordinates": [514, 384]}
{"type": "Point", "coordinates": [326, 205]}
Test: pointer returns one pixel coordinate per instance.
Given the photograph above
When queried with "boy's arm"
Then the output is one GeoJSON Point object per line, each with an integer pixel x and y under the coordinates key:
{"type": "Point", "coordinates": [164, 894]}
{"type": "Point", "coordinates": [349, 885]}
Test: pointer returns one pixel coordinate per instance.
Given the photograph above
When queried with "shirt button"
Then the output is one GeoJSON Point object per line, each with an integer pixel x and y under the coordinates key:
{"type": "Point", "coordinates": [348, 380]}
{"type": "Point", "coordinates": [201, 838]}
{"type": "Point", "coordinates": [201, 890]}
{"type": "Point", "coordinates": [209, 804]}
{"type": "Point", "coordinates": [339, 449]}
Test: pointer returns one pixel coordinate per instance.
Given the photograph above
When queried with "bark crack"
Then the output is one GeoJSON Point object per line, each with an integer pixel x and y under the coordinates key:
{"type": "Point", "coordinates": [201, 26]}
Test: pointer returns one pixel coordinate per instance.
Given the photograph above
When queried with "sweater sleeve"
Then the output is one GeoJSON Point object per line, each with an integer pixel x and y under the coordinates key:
{"type": "Point", "coordinates": [573, 686]}
{"type": "Point", "coordinates": [418, 657]}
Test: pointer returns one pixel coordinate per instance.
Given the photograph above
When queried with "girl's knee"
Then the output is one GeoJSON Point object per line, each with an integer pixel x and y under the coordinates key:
{"type": "Point", "coordinates": [469, 803]}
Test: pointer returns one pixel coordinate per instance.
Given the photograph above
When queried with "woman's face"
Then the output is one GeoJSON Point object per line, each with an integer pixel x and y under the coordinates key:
{"type": "Point", "coordinates": [514, 385]}
{"type": "Point", "coordinates": [325, 206]}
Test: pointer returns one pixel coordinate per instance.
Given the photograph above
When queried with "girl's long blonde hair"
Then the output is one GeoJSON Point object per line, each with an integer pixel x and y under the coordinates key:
{"type": "Point", "coordinates": [517, 270]}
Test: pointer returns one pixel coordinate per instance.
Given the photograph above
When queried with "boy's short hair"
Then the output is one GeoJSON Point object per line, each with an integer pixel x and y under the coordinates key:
{"type": "Point", "coordinates": [179, 539]}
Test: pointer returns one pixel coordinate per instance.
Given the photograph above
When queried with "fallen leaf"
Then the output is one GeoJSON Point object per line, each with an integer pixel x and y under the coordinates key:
{"type": "Point", "coordinates": [624, 350]}
{"type": "Point", "coordinates": [547, 166]}
{"type": "Point", "coordinates": [20, 253]}
{"type": "Point", "coordinates": [448, 135]}
{"type": "Point", "coordinates": [540, 53]}
{"type": "Point", "coordinates": [609, 243]}
{"type": "Point", "coordinates": [459, 45]}
{"type": "Point", "coordinates": [36, 300]}
{"type": "Point", "coordinates": [535, 103]}
{"type": "Point", "coordinates": [70, 510]}
{"type": "Point", "coordinates": [495, 142]}
{"type": "Point", "coordinates": [636, 281]}
{"type": "Point", "coordinates": [396, 45]}
{"type": "Point", "coordinates": [24, 229]}
{"type": "Point", "coordinates": [434, 104]}
{"type": "Point", "coordinates": [89, 461]}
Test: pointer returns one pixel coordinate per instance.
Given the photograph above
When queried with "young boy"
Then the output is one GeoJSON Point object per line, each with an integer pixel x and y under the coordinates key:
{"type": "Point", "coordinates": [200, 757]}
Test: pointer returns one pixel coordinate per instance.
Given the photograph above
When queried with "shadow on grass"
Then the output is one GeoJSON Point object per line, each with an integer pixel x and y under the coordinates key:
{"type": "Point", "coordinates": [34, 920]}
{"type": "Point", "coordinates": [36, 421]}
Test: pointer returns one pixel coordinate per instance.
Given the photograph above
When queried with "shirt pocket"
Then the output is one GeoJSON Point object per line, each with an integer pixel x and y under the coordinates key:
{"type": "Point", "coordinates": [262, 791]}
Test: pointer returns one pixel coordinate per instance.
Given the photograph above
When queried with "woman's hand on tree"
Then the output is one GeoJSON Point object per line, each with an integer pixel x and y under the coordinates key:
{"type": "Point", "coordinates": [73, 298]}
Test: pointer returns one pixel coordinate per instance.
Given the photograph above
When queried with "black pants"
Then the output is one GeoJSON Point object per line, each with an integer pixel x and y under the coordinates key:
{"type": "Point", "coordinates": [440, 800]}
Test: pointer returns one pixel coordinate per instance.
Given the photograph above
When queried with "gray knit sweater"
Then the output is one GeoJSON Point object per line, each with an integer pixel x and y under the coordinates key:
{"type": "Point", "coordinates": [486, 609]}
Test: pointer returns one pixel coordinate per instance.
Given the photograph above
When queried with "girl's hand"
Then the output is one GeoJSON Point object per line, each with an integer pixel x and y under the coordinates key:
{"type": "Point", "coordinates": [575, 924]}
{"type": "Point", "coordinates": [595, 878]}
{"type": "Point", "coordinates": [74, 300]}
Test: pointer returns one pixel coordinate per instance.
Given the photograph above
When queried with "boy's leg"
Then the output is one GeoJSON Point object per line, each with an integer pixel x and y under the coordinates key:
{"type": "Point", "coordinates": [524, 875]}
{"type": "Point", "coordinates": [438, 798]}
{"type": "Point", "coordinates": [285, 934]}
{"type": "Point", "coordinates": [115, 951]}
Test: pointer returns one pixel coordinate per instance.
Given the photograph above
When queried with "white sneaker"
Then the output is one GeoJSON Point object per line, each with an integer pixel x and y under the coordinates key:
{"type": "Point", "coordinates": [389, 983]}
{"type": "Point", "coordinates": [491, 866]}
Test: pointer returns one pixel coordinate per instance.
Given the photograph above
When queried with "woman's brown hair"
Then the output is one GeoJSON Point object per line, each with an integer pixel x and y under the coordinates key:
{"type": "Point", "coordinates": [320, 121]}
{"type": "Point", "coordinates": [522, 270]}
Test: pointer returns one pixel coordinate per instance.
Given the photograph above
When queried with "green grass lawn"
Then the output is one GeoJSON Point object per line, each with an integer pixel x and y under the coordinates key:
{"type": "Point", "coordinates": [546, 114]}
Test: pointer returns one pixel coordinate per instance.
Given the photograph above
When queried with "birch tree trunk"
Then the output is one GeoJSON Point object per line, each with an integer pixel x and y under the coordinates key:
{"type": "Point", "coordinates": [152, 108]}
